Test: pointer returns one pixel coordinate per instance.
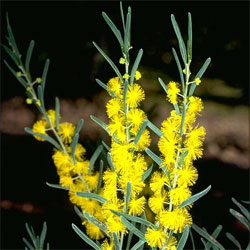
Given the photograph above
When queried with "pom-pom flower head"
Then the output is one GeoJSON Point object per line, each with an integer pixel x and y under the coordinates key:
{"type": "Point", "coordinates": [40, 127]}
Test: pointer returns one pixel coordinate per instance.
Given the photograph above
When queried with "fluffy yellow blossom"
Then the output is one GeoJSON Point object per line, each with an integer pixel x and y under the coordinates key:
{"type": "Point", "coordinates": [155, 238]}
{"type": "Point", "coordinates": [62, 160]}
{"type": "Point", "coordinates": [114, 224]}
{"type": "Point", "coordinates": [66, 181]}
{"type": "Point", "coordinates": [157, 181]}
{"type": "Point", "coordinates": [136, 117]}
{"type": "Point", "coordinates": [179, 194]}
{"type": "Point", "coordinates": [136, 206]}
{"type": "Point", "coordinates": [52, 116]}
{"type": "Point", "coordinates": [114, 105]}
{"type": "Point", "coordinates": [66, 131]}
{"type": "Point", "coordinates": [110, 185]}
{"type": "Point", "coordinates": [40, 127]}
{"type": "Point", "coordinates": [144, 141]}
{"type": "Point", "coordinates": [173, 90]}
{"type": "Point", "coordinates": [176, 220]}
{"type": "Point", "coordinates": [135, 95]}
{"type": "Point", "coordinates": [117, 125]}
{"type": "Point", "coordinates": [107, 246]}
{"type": "Point", "coordinates": [115, 85]}
{"type": "Point", "coordinates": [93, 231]}
{"type": "Point", "coordinates": [187, 176]}
{"type": "Point", "coordinates": [156, 202]}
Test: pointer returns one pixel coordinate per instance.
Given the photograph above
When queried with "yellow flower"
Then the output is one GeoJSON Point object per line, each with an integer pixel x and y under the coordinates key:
{"type": "Point", "coordinates": [40, 127]}
{"type": "Point", "coordinates": [115, 85]}
{"type": "Point", "coordinates": [113, 107]}
{"type": "Point", "coordinates": [197, 80]}
{"type": "Point", "coordinates": [81, 167]}
{"type": "Point", "coordinates": [136, 206]}
{"type": "Point", "coordinates": [155, 238]}
{"type": "Point", "coordinates": [66, 181]}
{"type": "Point", "coordinates": [176, 220]}
{"type": "Point", "coordinates": [110, 185]}
{"type": "Point", "coordinates": [29, 101]}
{"type": "Point", "coordinates": [114, 224]}
{"type": "Point", "coordinates": [187, 176]}
{"type": "Point", "coordinates": [92, 181]}
{"type": "Point", "coordinates": [144, 141]}
{"type": "Point", "coordinates": [137, 75]}
{"type": "Point", "coordinates": [179, 194]}
{"type": "Point", "coordinates": [136, 117]}
{"type": "Point", "coordinates": [135, 95]}
{"type": "Point", "coordinates": [38, 102]}
{"type": "Point", "coordinates": [93, 231]}
{"type": "Point", "coordinates": [66, 130]}
{"type": "Point", "coordinates": [117, 125]}
{"type": "Point", "coordinates": [173, 90]}
{"type": "Point", "coordinates": [52, 116]}
{"type": "Point", "coordinates": [156, 203]}
{"type": "Point", "coordinates": [139, 163]}
{"type": "Point", "coordinates": [89, 205]}
{"type": "Point", "coordinates": [62, 161]}
{"type": "Point", "coordinates": [106, 246]}
{"type": "Point", "coordinates": [157, 181]}
{"type": "Point", "coordinates": [122, 60]}
{"type": "Point", "coordinates": [126, 76]}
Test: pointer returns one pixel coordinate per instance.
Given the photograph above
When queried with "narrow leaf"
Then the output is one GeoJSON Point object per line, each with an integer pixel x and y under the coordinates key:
{"type": "Point", "coordinates": [28, 55]}
{"type": "Point", "coordinates": [45, 72]}
{"type": "Point", "coordinates": [240, 217]}
{"type": "Point", "coordinates": [122, 16]}
{"type": "Point", "coordinates": [11, 54]}
{"type": "Point", "coordinates": [199, 75]}
{"type": "Point", "coordinates": [43, 235]}
{"type": "Point", "coordinates": [128, 194]}
{"type": "Point", "coordinates": [183, 156]}
{"type": "Point", "coordinates": [95, 222]}
{"type": "Point", "coordinates": [164, 86]}
{"type": "Point", "coordinates": [207, 236]}
{"type": "Point", "coordinates": [183, 240]}
{"type": "Point", "coordinates": [134, 218]}
{"type": "Point", "coordinates": [113, 28]}
{"type": "Point", "coordinates": [57, 186]}
{"type": "Point", "coordinates": [40, 96]}
{"type": "Point", "coordinates": [116, 240]}
{"type": "Point", "coordinates": [103, 85]}
{"type": "Point", "coordinates": [155, 129]}
{"type": "Point", "coordinates": [140, 132]}
{"type": "Point", "coordinates": [148, 172]}
{"type": "Point", "coordinates": [109, 159]}
{"type": "Point", "coordinates": [233, 239]}
{"type": "Point", "coordinates": [47, 138]}
{"type": "Point", "coordinates": [91, 196]}
{"type": "Point", "coordinates": [195, 197]}
{"type": "Point", "coordinates": [85, 237]}
{"type": "Point", "coordinates": [127, 32]}
{"type": "Point", "coordinates": [242, 209]}
{"type": "Point", "coordinates": [99, 122]}
{"type": "Point", "coordinates": [79, 213]}
{"type": "Point", "coordinates": [132, 228]}
{"type": "Point", "coordinates": [73, 146]}
{"type": "Point", "coordinates": [246, 202]}
{"type": "Point", "coordinates": [192, 239]}
{"type": "Point", "coordinates": [31, 234]}
{"type": "Point", "coordinates": [106, 146]}
{"type": "Point", "coordinates": [100, 177]}
{"type": "Point", "coordinates": [109, 61]}
{"type": "Point", "coordinates": [190, 37]}
{"type": "Point", "coordinates": [28, 244]}
{"type": "Point", "coordinates": [204, 243]}
{"type": "Point", "coordinates": [138, 245]}
{"type": "Point", "coordinates": [179, 67]}
{"type": "Point", "coordinates": [135, 66]}
{"type": "Point", "coordinates": [215, 234]}
{"type": "Point", "coordinates": [125, 94]}
{"type": "Point", "coordinates": [180, 39]}
{"type": "Point", "coordinates": [57, 113]}
{"type": "Point", "coordinates": [94, 157]}
{"type": "Point", "coordinates": [154, 157]}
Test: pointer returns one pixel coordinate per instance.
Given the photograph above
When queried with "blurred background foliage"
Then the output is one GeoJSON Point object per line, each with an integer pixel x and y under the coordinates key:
{"type": "Point", "coordinates": [63, 32]}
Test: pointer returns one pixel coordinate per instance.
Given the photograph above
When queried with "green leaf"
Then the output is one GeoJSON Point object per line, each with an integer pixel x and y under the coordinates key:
{"type": "Point", "coordinates": [190, 38]}
{"type": "Point", "coordinates": [109, 61]}
{"type": "Point", "coordinates": [28, 244]}
{"type": "Point", "coordinates": [240, 217]}
{"type": "Point", "coordinates": [47, 245]}
{"type": "Point", "coordinates": [31, 234]}
{"type": "Point", "coordinates": [242, 209]}
{"type": "Point", "coordinates": [109, 159]}
{"type": "Point", "coordinates": [183, 240]}
{"type": "Point", "coordinates": [47, 138]}
{"type": "Point", "coordinates": [28, 55]}
{"type": "Point", "coordinates": [246, 202]}
{"type": "Point", "coordinates": [183, 156]}
{"type": "Point", "coordinates": [180, 39]}
{"type": "Point", "coordinates": [140, 132]}
{"type": "Point", "coordinates": [95, 222]}
{"type": "Point", "coordinates": [11, 54]}
{"type": "Point", "coordinates": [100, 177]}
{"type": "Point", "coordinates": [85, 237]}
{"type": "Point", "coordinates": [73, 146]}
{"type": "Point", "coordinates": [103, 85]}
{"type": "Point", "coordinates": [135, 66]}
{"type": "Point", "coordinates": [138, 245]}
{"type": "Point", "coordinates": [128, 195]}
{"type": "Point", "coordinates": [195, 197]}
{"type": "Point", "coordinates": [91, 196]}
{"type": "Point", "coordinates": [127, 31]}
{"type": "Point", "coordinates": [233, 239]}
{"type": "Point", "coordinates": [179, 68]}
{"type": "Point", "coordinates": [20, 79]}
{"type": "Point", "coordinates": [155, 129]}
{"type": "Point", "coordinates": [94, 157]}
{"type": "Point", "coordinates": [43, 235]}
{"type": "Point", "coordinates": [79, 213]}
{"type": "Point", "coordinates": [183, 119]}
{"type": "Point", "coordinates": [45, 72]}
{"type": "Point", "coordinates": [40, 96]}
{"type": "Point", "coordinates": [147, 173]}
{"type": "Point", "coordinates": [199, 75]}
{"type": "Point", "coordinates": [169, 237]}
{"type": "Point", "coordinates": [192, 239]}
{"type": "Point", "coordinates": [122, 16]}
{"type": "Point", "coordinates": [106, 146]}
{"type": "Point", "coordinates": [207, 236]}
{"type": "Point", "coordinates": [204, 243]}
{"type": "Point", "coordinates": [215, 234]}
{"type": "Point", "coordinates": [56, 186]}
{"type": "Point", "coordinates": [113, 28]}
{"type": "Point", "coordinates": [154, 157]}
{"type": "Point", "coordinates": [116, 241]}
{"type": "Point", "coordinates": [99, 122]}
{"type": "Point", "coordinates": [176, 107]}
{"type": "Point", "coordinates": [132, 228]}
{"type": "Point", "coordinates": [164, 86]}
{"type": "Point", "coordinates": [125, 94]}
{"type": "Point", "coordinates": [57, 113]}
{"type": "Point", "coordinates": [134, 218]}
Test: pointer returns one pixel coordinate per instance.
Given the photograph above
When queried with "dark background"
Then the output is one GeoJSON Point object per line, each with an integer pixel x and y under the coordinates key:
{"type": "Point", "coordinates": [64, 32]}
